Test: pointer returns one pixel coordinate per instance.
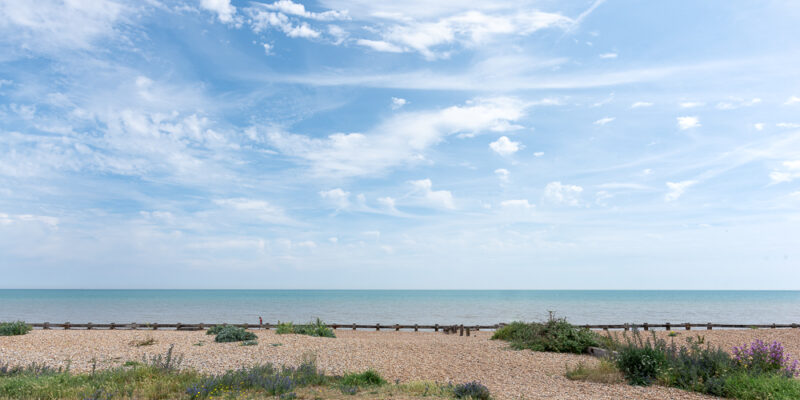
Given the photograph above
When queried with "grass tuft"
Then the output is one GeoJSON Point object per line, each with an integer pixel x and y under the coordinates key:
{"type": "Point", "coordinates": [603, 372]}
{"type": "Point", "coordinates": [369, 377]}
{"type": "Point", "coordinates": [14, 328]}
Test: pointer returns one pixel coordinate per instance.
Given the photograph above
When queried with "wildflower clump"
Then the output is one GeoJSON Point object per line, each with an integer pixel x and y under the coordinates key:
{"type": "Point", "coordinates": [760, 357]}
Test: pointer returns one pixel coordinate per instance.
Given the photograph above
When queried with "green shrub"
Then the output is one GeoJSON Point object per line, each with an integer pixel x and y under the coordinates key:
{"type": "Point", "coordinates": [369, 377]}
{"type": "Point", "coordinates": [314, 328]}
{"type": "Point", "coordinates": [746, 386]}
{"type": "Point", "coordinates": [215, 329]}
{"type": "Point", "coordinates": [698, 368]}
{"type": "Point", "coordinates": [234, 334]}
{"type": "Point", "coordinates": [14, 328]}
{"type": "Point", "coordinates": [556, 335]}
{"type": "Point", "coordinates": [642, 361]}
{"type": "Point", "coordinates": [471, 390]}
{"type": "Point", "coordinates": [604, 372]}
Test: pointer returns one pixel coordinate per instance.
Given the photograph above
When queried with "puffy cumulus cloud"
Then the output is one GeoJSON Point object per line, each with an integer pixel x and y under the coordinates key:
{"type": "Point", "coordinates": [402, 138]}
{"type": "Point", "coordinates": [388, 203]}
{"type": "Point", "coordinates": [436, 198]}
{"type": "Point", "coordinates": [558, 193]}
{"type": "Point", "coordinates": [398, 102]}
{"type": "Point", "coordinates": [261, 20]}
{"type": "Point", "coordinates": [502, 174]}
{"type": "Point", "coordinates": [338, 197]}
{"type": "Point", "coordinates": [685, 123]}
{"type": "Point", "coordinates": [505, 146]}
{"type": "Point", "coordinates": [677, 189]}
{"type": "Point", "coordinates": [787, 172]}
{"type": "Point", "coordinates": [603, 121]}
{"type": "Point", "coordinates": [223, 8]}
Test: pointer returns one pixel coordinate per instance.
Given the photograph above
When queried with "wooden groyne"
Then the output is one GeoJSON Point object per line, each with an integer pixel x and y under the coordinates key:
{"type": "Point", "coordinates": [446, 328]}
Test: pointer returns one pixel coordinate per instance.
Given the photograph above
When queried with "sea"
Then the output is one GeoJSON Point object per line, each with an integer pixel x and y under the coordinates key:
{"type": "Point", "coordinates": [399, 306]}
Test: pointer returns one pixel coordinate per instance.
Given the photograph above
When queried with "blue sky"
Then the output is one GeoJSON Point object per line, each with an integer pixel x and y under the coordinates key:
{"type": "Point", "coordinates": [380, 144]}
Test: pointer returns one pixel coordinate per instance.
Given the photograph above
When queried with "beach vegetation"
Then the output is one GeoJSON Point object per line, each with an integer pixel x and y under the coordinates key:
{"type": "Point", "coordinates": [555, 335]}
{"type": "Point", "coordinates": [249, 343]}
{"type": "Point", "coordinates": [234, 334]}
{"type": "Point", "coordinates": [471, 390]}
{"type": "Point", "coordinates": [216, 329]}
{"type": "Point", "coordinates": [603, 372]}
{"type": "Point", "coordinates": [369, 377]}
{"type": "Point", "coordinates": [14, 328]}
{"type": "Point", "coordinates": [149, 341]}
{"type": "Point", "coordinates": [315, 328]}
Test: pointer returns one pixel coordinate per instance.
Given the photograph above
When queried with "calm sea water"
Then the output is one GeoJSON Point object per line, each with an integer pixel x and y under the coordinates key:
{"type": "Point", "coordinates": [398, 306]}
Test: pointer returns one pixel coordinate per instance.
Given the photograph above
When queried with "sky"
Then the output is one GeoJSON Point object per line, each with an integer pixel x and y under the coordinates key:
{"type": "Point", "coordinates": [352, 144]}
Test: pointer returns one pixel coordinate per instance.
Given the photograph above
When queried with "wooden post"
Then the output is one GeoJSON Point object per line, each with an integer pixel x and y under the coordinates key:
{"type": "Point", "coordinates": [202, 326]}
{"type": "Point", "coordinates": [267, 326]}
{"type": "Point", "coordinates": [377, 327]}
{"type": "Point", "coordinates": [461, 330]}
{"type": "Point", "coordinates": [354, 326]}
{"type": "Point", "coordinates": [436, 328]}
{"type": "Point", "coordinates": [626, 327]}
{"type": "Point", "coordinates": [668, 326]}
{"type": "Point", "coordinates": [688, 326]}
{"type": "Point", "coordinates": [773, 325]}
{"type": "Point", "coordinates": [335, 327]}
{"type": "Point", "coordinates": [154, 326]}
{"type": "Point", "coordinates": [646, 326]}
{"type": "Point", "coordinates": [133, 325]}
{"type": "Point", "coordinates": [467, 331]}
{"type": "Point", "coordinates": [396, 327]}
{"type": "Point", "coordinates": [112, 326]}
{"type": "Point", "coordinates": [46, 325]}
{"type": "Point", "coordinates": [708, 326]}
{"type": "Point", "coordinates": [66, 325]}
{"type": "Point", "coordinates": [416, 328]}
{"type": "Point", "coordinates": [177, 326]}
{"type": "Point", "coordinates": [88, 326]}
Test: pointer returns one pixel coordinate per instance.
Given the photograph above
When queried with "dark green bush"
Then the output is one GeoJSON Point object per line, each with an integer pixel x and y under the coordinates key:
{"type": "Point", "coordinates": [14, 328]}
{"type": "Point", "coordinates": [556, 335]}
{"type": "Point", "coordinates": [314, 328]}
{"type": "Point", "coordinates": [641, 365]}
{"type": "Point", "coordinates": [369, 377]}
{"type": "Point", "coordinates": [215, 329]}
{"type": "Point", "coordinates": [234, 334]}
{"type": "Point", "coordinates": [698, 368]}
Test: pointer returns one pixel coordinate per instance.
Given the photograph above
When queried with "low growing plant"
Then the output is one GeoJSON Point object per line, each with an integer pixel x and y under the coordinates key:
{"type": "Point", "coordinates": [471, 390]}
{"type": "Point", "coordinates": [314, 328]}
{"type": "Point", "coordinates": [556, 335]}
{"type": "Point", "coordinates": [14, 328]}
{"type": "Point", "coordinates": [369, 377]}
{"type": "Point", "coordinates": [234, 334]}
{"type": "Point", "coordinates": [760, 357]}
{"type": "Point", "coordinates": [604, 372]}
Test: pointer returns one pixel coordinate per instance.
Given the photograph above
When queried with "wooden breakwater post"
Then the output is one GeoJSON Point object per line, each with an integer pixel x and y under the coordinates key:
{"type": "Point", "coordinates": [668, 326]}
{"type": "Point", "coordinates": [708, 326]}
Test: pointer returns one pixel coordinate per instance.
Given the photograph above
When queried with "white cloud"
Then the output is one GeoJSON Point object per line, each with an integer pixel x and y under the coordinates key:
{"type": "Point", "coordinates": [4, 82]}
{"type": "Point", "coordinates": [261, 20]}
{"type": "Point", "coordinates": [339, 34]}
{"type": "Point", "coordinates": [389, 203]}
{"type": "Point", "coordinates": [401, 139]}
{"type": "Point", "coordinates": [608, 55]}
{"type": "Point", "coordinates": [676, 189]}
{"type": "Point", "coordinates": [518, 204]}
{"type": "Point", "coordinates": [558, 193]}
{"type": "Point", "coordinates": [436, 198]}
{"type": "Point", "coordinates": [640, 104]}
{"type": "Point", "coordinates": [292, 8]}
{"type": "Point", "coordinates": [502, 174]}
{"type": "Point", "coordinates": [258, 208]}
{"type": "Point", "coordinates": [685, 123]}
{"type": "Point", "coordinates": [759, 126]}
{"type": "Point", "coordinates": [53, 25]}
{"type": "Point", "coordinates": [223, 8]}
{"type": "Point", "coordinates": [737, 103]}
{"type": "Point", "coordinates": [434, 38]}
{"type": "Point", "coordinates": [338, 197]}
{"type": "Point", "coordinates": [538, 154]}
{"type": "Point", "coordinates": [603, 121]}
{"type": "Point", "coordinates": [505, 146]}
{"type": "Point", "coordinates": [379, 45]}
{"type": "Point", "coordinates": [792, 100]}
{"type": "Point", "coordinates": [789, 125]}
{"type": "Point", "coordinates": [268, 48]}
{"type": "Point", "coordinates": [398, 102]}
{"type": "Point", "coordinates": [787, 172]}
{"type": "Point", "coordinates": [9, 219]}
{"type": "Point", "coordinates": [691, 104]}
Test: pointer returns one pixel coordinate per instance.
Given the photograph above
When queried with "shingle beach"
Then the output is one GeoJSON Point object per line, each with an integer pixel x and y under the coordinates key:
{"type": "Point", "coordinates": [403, 356]}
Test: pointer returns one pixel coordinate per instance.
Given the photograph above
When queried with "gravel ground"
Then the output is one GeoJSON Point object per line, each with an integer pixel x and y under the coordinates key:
{"type": "Point", "coordinates": [403, 356]}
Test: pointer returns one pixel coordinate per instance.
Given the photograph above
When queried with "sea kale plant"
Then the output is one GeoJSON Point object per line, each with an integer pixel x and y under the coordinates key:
{"type": "Point", "coordinates": [471, 390]}
{"type": "Point", "coordinates": [760, 357]}
{"type": "Point", "coordinates": [14, 328]}
{"type": "Point", "coordinates": [556, 335]}
{"type": "Point", "coordinates": [234, 334]}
